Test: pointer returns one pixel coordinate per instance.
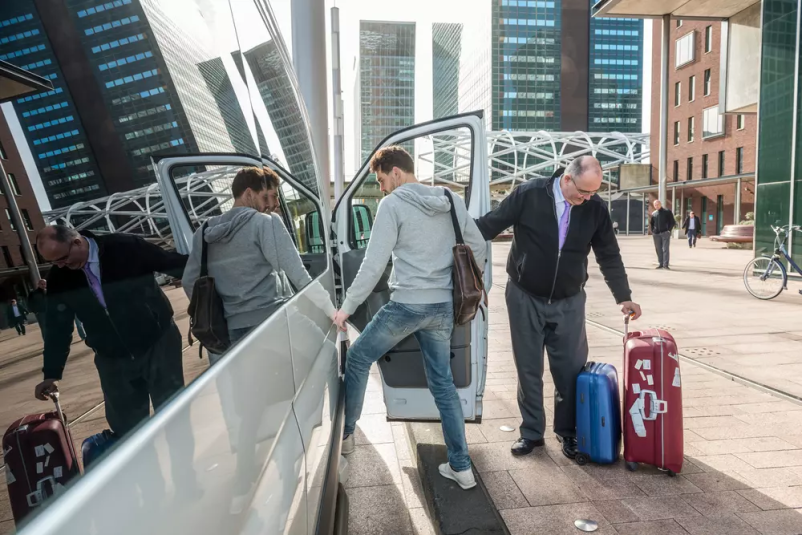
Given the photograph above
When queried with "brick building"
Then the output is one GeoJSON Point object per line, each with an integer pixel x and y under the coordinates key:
{"type": "Point", "coordinates": [13, 270]}
{"type": "Point", "coordinates": [704, 147]}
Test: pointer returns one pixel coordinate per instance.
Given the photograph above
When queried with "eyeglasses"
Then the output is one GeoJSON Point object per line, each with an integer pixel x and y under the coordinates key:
{"type": "Point", "coordinates": [580, 190]}
{"type": "Point", "coordinates": [66, 256]}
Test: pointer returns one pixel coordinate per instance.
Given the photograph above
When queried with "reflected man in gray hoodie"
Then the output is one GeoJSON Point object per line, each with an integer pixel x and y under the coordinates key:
{"type": "Point", "coordinates": [250, 251]}
{"type": "Point", "coordinates": [413, 227]}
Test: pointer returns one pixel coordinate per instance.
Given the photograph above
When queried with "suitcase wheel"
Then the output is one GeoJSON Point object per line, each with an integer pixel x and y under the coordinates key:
{"type": "Point", "coordinates": [671, 473]}
{"type": "Point", "coordinates": [582, 459]}
{"type": "Point", "coordinates": [632, 466]}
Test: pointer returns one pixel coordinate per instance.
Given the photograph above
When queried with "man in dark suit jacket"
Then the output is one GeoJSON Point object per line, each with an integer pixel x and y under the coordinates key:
{"type": "Point", "coordinates": [17, 314]}
{"type": "Point", "coordinates": [692, 227]}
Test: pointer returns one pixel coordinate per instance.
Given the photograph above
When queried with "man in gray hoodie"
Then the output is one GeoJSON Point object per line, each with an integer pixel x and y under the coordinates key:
{"type": "Point", "coordinates": [250, 251]}
{"type": "Point", "coordinates": [413, 227]}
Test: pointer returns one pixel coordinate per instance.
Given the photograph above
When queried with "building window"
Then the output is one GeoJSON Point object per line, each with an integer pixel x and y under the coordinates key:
{"type": "Point", "coordinates": [3, 155]}
{"type": "Point", "coordinates": [721, 163]}
{"type": "Point", "coordinates": [690, 129]}
{"type": "Point", "coordinates": [741, 122]}
{"type": "Point", "coordinates": [676, 170]}
{"type": "Point", "coordinates": [7, 257]}
{"type": "Point", "coordinates": [679, 23]}
{"type": "Point", "coordinates": [690, 168]}
{"type": "Point", "coordinates": [713, 123]}
{"type": "Point", "coordinates": [14, 185]}
{"type": "Point", "coordinates": [708, 39]}
{"type": "Point", "coordinates": [685, 49]}
{"type": "Point", "coordinates": [739, 160]}
{"type": "Point", "coordinates": [691, 88]}
{"type": "Point", "coordinates": [10, 221]}
{"type": "Point", "coordinates": [677, 93]}
{"type": "Point", "coordinates": [26, 218]}
{"type": "Point", "coordinates": [676, 133]}
{"type": "Point", "coordinates": [704, 166]}
{"type": "Point", "coordinates": [707, 82]}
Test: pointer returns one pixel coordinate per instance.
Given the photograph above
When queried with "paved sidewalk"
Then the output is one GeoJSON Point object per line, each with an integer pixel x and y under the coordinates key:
{"type": "Point", "coordinates": [743, 468]}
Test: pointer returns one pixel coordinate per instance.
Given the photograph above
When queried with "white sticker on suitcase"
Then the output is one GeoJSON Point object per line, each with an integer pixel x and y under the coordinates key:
{"type": "Point", "coordinates": [58, 472]}
{"type": "Point", "coordinates": [9, 476]}
{"type": "Point", "coordinates": [650, 380]}
{"type": "Point", "coordinates": [636, 388]}
{"type": "Point", "coordinates": [639, 364]}
{"type": "Point", "coordinates": [643, 376]}
{"type": "Point", "coordinates": [39, 451]}
{"type": "Point", "coordinates": [49, 449]}
{"type": "Point", "coordinates": [47, 461]}
{"type": "Point", "coordinates": [673, 356]}
{"type": "Point", "coordinates": [40, 468]}
{"type": "Point", "coordinates": [647, 365]}
{"type": "Point", "coordinates": [637, 419]}
{"type": "Point", "coordinates": [7, 451]}
{"type": "Point", "coordinates": [677, 381]}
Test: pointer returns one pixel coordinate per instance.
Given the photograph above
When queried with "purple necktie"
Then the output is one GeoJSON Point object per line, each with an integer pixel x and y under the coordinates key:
{"type": "Point", "coordinates": [94, 283]}
{"type": "Point", "coordinates": [564, 223]}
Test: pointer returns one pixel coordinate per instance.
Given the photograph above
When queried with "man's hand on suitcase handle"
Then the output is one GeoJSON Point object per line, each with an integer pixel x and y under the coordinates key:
{"type": "Point", "coordinates": [45, 389]}
{"type": "Point", "coordinates": [630, 309]}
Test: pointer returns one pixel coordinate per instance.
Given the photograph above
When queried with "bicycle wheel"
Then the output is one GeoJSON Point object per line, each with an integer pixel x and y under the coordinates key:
{"type": "Point", "coordinates": [765, 277]}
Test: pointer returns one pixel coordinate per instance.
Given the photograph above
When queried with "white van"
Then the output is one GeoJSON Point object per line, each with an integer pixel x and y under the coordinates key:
{"type": "Point", "coordinates": [275, 401]}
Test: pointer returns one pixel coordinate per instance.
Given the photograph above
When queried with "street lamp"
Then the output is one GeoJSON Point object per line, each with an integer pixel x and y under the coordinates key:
{"type": "Point", "coordinates": [14, 83]}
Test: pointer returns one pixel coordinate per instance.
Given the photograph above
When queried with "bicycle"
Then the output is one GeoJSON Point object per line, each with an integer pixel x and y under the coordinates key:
{"type": "Point", "coordinates": [766, 277]}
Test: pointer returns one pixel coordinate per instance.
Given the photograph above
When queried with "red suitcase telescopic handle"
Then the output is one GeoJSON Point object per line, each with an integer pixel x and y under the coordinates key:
{"type": "Point", "coordinates": [54, 396]}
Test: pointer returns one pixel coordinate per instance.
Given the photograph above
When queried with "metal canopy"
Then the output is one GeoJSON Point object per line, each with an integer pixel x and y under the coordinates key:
{"type": "Point", "coordinates": [514, 157]}
{"type": "Point", "coordinates": [678, 9]}
{"type": "Point", "coordinates": [16, 82]}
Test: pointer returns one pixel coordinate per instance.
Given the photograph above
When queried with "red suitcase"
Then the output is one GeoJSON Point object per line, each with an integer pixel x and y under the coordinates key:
{"type": "Point", "coordinates": [652, 400]}
{"type": "Point", "coordinates": [40, 459]}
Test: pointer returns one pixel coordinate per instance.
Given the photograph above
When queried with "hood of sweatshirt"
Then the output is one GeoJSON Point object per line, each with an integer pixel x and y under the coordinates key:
{"type": "Point", "coordinates": [220, 229]}
{"type": "Point", "coordinates": [431, 201]}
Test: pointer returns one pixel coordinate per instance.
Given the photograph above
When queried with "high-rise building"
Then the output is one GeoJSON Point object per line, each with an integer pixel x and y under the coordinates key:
{"type": "Point", "coordinates": [128, 83]}
{"type": "Point", "coordinates": [555, 69]}
{"type": "Point", "coordinates": [446, 53]}
{"type": "Point", "coordinates": [282, 107]}
{"type": "Point", "coordinates": [615, 96]}
{"type": "Point", "coordinates": [387, 81]}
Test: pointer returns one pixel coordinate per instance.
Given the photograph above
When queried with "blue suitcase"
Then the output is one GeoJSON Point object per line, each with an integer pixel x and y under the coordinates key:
{"type": "Point", "coordinates": [598, 414]}
{"type": "Point", "coordinates": [96, 445]}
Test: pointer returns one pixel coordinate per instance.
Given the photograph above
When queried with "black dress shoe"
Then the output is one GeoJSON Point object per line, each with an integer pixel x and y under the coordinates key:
{"type": "Point", "coordinates": [524, 446]}
{"type": "Point", "coordinates": [569, 446]}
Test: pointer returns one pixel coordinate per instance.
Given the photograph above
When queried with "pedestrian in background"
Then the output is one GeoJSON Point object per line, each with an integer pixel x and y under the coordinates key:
{"type": "Point", "coordinates": [556, 222]}
{"type": "Point", "coordinates": [692, 226]}
{"type": "Point", "coordinates": [661, 224]}
{"type": "Point", "coordinates": [17, 316]}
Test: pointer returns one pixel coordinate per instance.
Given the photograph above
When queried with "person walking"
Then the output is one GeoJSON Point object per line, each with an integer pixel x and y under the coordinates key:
{"type": "Point", "coordinates": [692, 226]}
{"type": "Point", "coordinates": [556, 222]}
{"type": "Point", "coordinates": [421, 296]}
{"type": "Point", "coordinates": [17, 316]}
{"type": "Point", "coordinates": [661, 223]}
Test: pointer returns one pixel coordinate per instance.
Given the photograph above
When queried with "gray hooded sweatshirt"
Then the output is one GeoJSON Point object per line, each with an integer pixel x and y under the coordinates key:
{"type": "Point", "coordinates": [413, 226]}
{"type": "Point", "coordinates": [249, 254]}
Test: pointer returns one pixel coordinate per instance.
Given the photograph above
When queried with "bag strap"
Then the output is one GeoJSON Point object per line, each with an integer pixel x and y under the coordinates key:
{"type": "Point", "coordinates": [204, 252]}
{"type": "Point", "coordinates": [454, 220]}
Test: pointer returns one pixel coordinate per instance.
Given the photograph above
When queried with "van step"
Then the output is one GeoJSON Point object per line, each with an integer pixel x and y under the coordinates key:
{"type": "Point", "coordinates": [453, 511]}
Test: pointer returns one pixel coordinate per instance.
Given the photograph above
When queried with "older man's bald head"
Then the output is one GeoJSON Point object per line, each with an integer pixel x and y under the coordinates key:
{"type": "Point", "coordinates": [581, 180]}
{"type": "Point", "coordinates": [62, 246]}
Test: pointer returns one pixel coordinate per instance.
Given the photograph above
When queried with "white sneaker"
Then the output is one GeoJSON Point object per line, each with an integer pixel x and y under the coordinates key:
{"type": "Point", "coordinates": [464, 479]}
{"type": "Point", "coordinates": [348, 445]}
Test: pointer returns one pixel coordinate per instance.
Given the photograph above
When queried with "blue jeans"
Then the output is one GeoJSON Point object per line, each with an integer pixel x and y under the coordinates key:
{"type": "Point", "coordinates": [692, 235]}
{"type": "Point", "coordinates": [432, 326]}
